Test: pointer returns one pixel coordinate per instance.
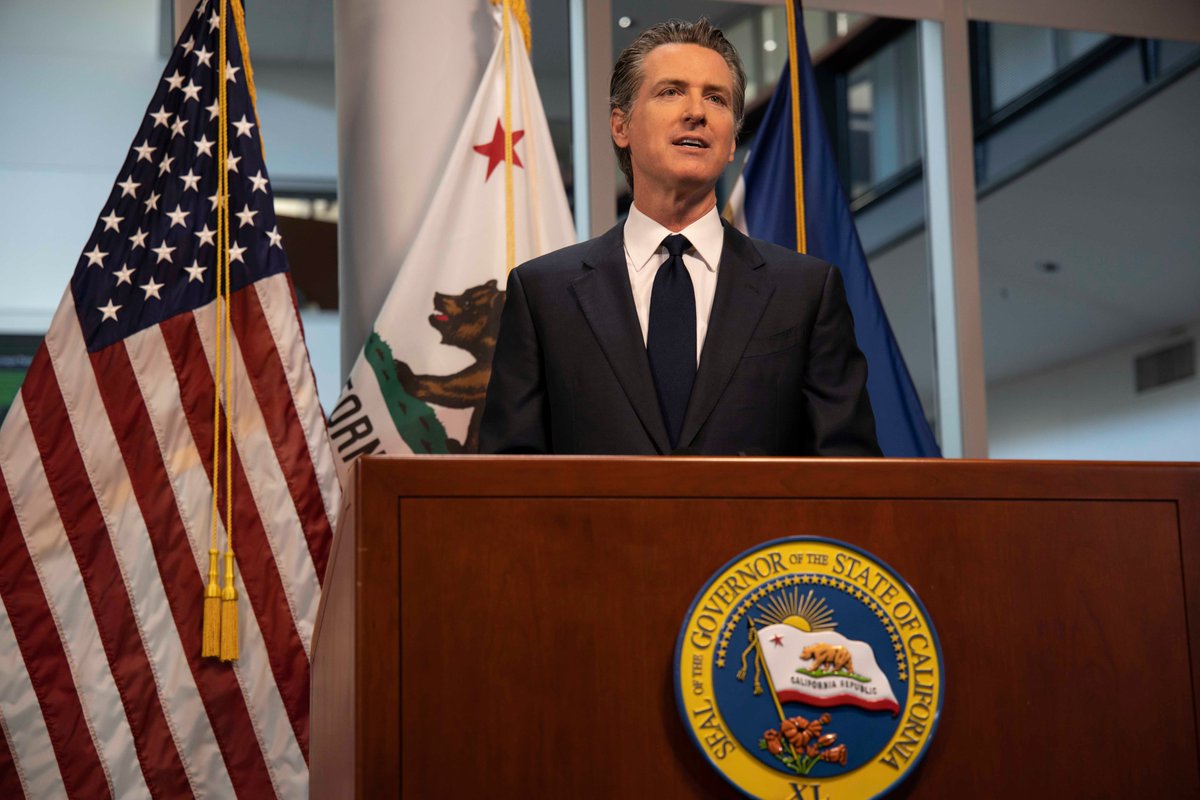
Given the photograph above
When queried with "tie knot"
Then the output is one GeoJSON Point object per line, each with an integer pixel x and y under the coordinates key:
{"type": "Point", "coordinates": [677, 244]}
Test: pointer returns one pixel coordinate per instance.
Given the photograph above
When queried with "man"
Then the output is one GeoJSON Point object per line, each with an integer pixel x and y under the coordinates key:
{"type": "Point", "coordinates": [674, 333]}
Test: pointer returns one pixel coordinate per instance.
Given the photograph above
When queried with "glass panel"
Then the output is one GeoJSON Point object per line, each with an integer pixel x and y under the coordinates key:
{"type": "Point", "coordinates": [1073, 44]}
{"type": "Point", "coordinates": [746, 38]}
{"type": "Point", "coordinates": [1176, 54]}
{"type": "Point", "coordinates": [774, 43]}
{"type": "Point", "coordinates": [1022, 57]}
{"type": "Point", "coordinates": [882, 101]}
{"type": "Point", "coordinates": [823, 27]}
{"type": "Point", "coordinates": [550, 58]}
{"type": "Point", "coordinates": [760, 36]}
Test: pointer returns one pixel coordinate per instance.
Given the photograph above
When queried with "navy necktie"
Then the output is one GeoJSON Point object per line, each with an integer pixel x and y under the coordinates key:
{"type": "Point", "coordinates": [671, 341]}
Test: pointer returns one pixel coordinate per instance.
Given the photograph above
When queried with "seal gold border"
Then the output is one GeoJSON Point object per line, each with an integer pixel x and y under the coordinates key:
{"type": "Point", "coordinates": [814, 561]}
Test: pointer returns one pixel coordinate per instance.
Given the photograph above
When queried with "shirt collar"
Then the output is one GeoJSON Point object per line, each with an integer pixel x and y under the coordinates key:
{"type": "Point", "coordinates": [644, 237]}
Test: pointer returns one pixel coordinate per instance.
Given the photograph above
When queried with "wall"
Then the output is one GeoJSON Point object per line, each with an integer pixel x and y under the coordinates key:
{"type": "Point", "coordinates": [1089, 409]}
{"type": "Point", "coordinates": [299, 126]}
{"type": "Point", "coordinates": [75, 79]}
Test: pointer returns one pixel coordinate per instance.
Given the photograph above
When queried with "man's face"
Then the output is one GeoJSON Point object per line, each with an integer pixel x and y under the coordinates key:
{"type": "Point", "coordinates": [680, 130]}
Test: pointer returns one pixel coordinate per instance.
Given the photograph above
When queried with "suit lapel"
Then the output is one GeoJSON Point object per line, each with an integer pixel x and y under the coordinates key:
{"type": "Point", "coordinates": [741, 297]}
{"type": "Point", "coordinates": [606, 298]}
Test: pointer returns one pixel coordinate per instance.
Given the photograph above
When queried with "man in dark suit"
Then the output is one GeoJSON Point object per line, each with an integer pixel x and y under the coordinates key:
{"type": "Point", "coordinates": [673, 332]}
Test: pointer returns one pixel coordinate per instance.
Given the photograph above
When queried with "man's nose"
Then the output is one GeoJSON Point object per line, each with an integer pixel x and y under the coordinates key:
{"type": "Point", "coordinates": [694, 111]}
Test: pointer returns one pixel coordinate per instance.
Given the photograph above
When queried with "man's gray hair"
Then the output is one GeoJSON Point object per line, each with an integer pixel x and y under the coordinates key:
{"type": "Point", "coordinates": [627, 73]}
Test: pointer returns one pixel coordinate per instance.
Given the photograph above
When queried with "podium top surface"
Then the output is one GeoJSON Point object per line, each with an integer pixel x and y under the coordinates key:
{"type": "Point", "coordinates": [611, 476]}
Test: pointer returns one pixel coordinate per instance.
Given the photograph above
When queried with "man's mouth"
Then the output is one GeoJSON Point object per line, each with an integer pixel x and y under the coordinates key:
{"type": "Point", "coordinates": [692, 142]}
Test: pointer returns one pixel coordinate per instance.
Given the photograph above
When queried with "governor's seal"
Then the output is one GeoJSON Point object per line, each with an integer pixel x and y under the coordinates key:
{"type": "Point", "coordinates": [808, 669]}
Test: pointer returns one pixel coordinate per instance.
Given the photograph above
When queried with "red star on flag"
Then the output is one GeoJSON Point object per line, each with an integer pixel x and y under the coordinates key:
{"type": "Point", "coordinates": [777, 640]}
{"type": "Point", "coordinates": [494, 150]}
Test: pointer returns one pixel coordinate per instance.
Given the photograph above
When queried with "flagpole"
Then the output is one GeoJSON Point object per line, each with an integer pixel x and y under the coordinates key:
{"type": "Point", "coordinates": [762, 662]}
{"type": "Point", "coordinates": [797, 142]}
{"type": "Point", "coordinates": [510, 245]}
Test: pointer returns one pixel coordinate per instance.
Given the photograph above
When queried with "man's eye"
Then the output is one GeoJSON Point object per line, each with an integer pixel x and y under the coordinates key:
{"type": "Point", "coordinates": [716, 98]}
{"type": "Point", "coordinates": [670, 90]}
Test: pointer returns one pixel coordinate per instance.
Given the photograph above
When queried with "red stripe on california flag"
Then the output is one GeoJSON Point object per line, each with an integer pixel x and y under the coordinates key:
{"type": "Point", "coordinates": [268, 378]}
{"type": "Point", "coordinates": [10, 781]}
{"type": "Point", "coordinates": [42, 650]}
{"type": "Point", "coordinates": [800, 696]}
{"type": "Point", "coordinates": [107, 594]}
{"type": "Point", "coordinates": [255, 561]}
{"type": "Point", "coordinates": [182, 582]}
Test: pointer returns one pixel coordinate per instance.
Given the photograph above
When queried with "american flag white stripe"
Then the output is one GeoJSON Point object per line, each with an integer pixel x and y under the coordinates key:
{"type": "Point", "coordinates": [284, 322]}
{"type": "Point", "coordinates": [197, 745]}
{"type": "Point", "coordinates": [285, 760]}
{"type": "Point", "coordinates": [149, 354]}
{"type": "Point", "coordinates": [269, 487]}
{"type": "Point", "coordinates": [28, 739]}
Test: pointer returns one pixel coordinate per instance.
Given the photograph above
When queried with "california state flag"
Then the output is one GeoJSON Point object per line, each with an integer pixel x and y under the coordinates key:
{"type": "Point", "coordinates": [418, 385]}
{"type": "Point", "coordinates": [824, 668]}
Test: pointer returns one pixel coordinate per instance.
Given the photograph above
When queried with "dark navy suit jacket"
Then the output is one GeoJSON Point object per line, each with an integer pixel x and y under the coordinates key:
{"type": "Point", "coordinates": [780, 372]}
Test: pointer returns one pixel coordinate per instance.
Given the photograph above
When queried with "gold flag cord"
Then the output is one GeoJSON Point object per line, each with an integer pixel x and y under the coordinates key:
{"type": "Point", "coordinates": [510, 9]}
{"type": "Point", "coordinates": [797, 145]}
{"type": "Point", "coordinates": [220, 626]}
{"type": "Point", "coordinates": [510, 244]}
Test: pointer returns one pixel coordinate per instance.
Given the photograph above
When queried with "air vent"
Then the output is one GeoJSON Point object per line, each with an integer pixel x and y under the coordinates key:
{"type": "Point", "coordinates": [1166, 366]}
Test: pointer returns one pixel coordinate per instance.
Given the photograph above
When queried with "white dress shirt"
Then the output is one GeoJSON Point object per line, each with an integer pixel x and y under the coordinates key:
{"type": "Point", "coordinates": [644, 254]}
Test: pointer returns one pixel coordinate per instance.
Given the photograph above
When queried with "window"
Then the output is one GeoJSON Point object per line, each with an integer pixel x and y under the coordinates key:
{"type": "Point", "coordinates": [882, 112]}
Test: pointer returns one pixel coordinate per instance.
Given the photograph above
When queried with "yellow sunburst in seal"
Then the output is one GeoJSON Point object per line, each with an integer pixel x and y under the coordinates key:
{"type": "Point", "coordinates": [807, 613]}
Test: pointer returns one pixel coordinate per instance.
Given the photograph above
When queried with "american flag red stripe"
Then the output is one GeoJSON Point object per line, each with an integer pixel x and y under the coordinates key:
{"type": "Point", "coordinates": [10, 781]}
{"type": "Point", "coordinates": [118, 630]}
{"type": "Point", "coordinates": [106, 484]}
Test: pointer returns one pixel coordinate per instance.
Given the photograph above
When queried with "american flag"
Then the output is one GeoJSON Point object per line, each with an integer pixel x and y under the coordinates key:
{"type": "Point", "coordinates": [105, 482]}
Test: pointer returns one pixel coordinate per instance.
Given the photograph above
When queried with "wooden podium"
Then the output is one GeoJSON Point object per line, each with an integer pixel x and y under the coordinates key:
{"type": "Point", "coordinates": [504, 627]}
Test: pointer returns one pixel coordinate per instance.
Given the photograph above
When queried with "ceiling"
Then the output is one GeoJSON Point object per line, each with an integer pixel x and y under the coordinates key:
{"type": "Point", "coordinates": [301, 31]}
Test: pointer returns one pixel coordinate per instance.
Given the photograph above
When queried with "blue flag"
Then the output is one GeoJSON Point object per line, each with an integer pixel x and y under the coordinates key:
{"type": "Point", "coordinates": [770, 213]}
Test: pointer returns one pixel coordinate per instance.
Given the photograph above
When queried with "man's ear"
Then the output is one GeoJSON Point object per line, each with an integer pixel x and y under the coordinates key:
{"type": "Point", "coordinates": [732, 150]}
{"type": "Point", "coordinates": [617, 122]}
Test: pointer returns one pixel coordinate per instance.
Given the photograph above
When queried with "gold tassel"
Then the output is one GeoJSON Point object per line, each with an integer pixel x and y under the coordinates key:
{"type": "Point", "coordinates": [210, 643]}
{"type": "Point", "coordinates": [520, 12]}
{"type": "Point", "coordinates": [229, 620]}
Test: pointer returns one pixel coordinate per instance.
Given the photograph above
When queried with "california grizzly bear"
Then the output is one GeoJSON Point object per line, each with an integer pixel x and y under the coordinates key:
{"type": "Point", "coordinates": [469, 321]}
{"type": "Point", "coordinates": [830, 657]}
